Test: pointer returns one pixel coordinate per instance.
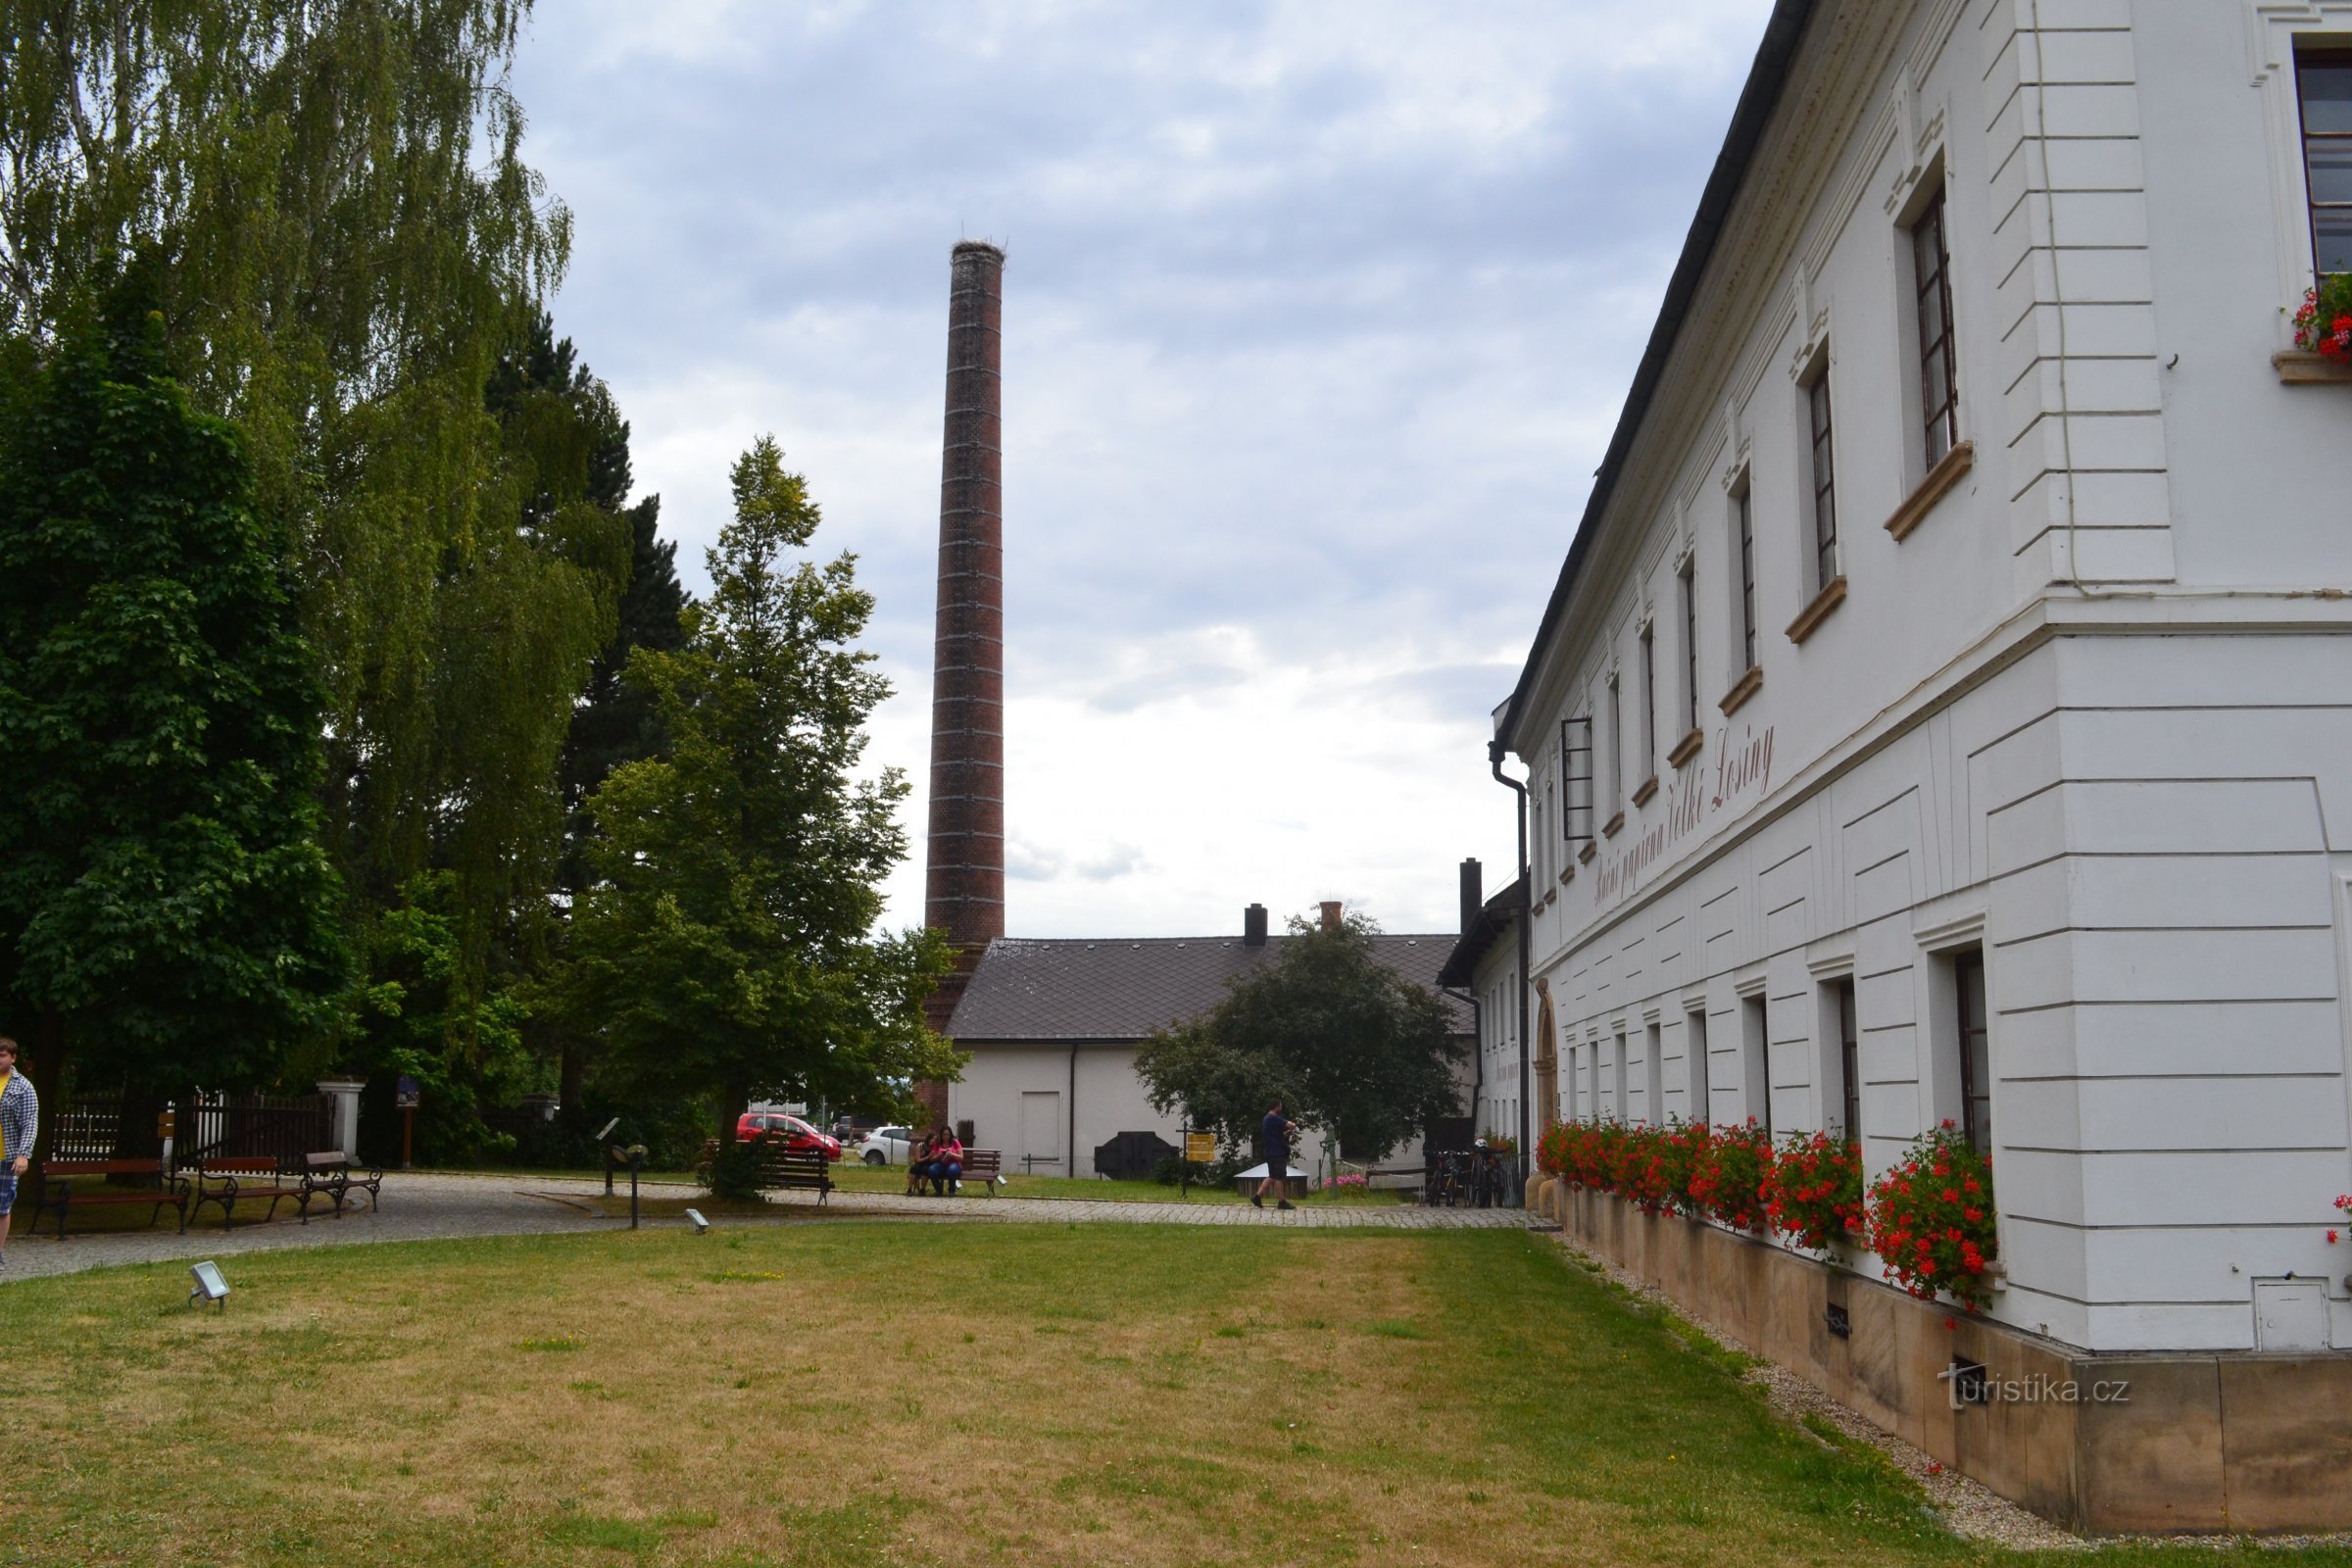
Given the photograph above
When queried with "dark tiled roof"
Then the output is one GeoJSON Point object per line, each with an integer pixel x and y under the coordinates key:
{"type": "Point", "coordinates": [1074, 988]}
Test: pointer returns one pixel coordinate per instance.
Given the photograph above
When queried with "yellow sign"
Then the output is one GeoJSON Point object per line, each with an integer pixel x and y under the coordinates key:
{"type": "Point", "coordinates": [165, 1124]}
{"type": "Point", "coordinates": [1201, 1148]}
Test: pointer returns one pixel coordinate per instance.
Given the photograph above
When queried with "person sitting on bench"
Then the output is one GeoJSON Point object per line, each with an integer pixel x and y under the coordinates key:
{"type": "Point", "coordinates": [919, 1165]}
{"type": "Point", "coordinates": [946, 1163]}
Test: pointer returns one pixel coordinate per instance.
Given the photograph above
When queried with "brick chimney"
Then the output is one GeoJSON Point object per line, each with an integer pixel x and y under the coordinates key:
{"type": "Point", "coordinates": [963, 872]}
{"type": "Point", "coordinates": [1331, 914]}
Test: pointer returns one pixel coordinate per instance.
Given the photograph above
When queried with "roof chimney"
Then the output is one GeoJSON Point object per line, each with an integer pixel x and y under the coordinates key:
{"type": "Point", "coordinates": [1331, 914]}
{"type": "Point", "coordinates": [1254, 926]}
{"type": "Point", "coordinates": [1474, 898]}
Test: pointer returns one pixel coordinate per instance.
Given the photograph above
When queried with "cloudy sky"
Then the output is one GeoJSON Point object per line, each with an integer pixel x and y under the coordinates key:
{"type": "Point", "coordinates": [1317, 318]}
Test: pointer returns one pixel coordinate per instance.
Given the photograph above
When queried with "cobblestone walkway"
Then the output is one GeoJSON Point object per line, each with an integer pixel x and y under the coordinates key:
{"type": "Point", "coordinates": [419, 1207]}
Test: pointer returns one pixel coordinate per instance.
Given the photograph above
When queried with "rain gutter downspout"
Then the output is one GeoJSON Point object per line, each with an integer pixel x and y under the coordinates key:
{"type": "Point", "coordinates": [1527, 888]}
{"type": "Point", "coordinates": [1073, 1143]}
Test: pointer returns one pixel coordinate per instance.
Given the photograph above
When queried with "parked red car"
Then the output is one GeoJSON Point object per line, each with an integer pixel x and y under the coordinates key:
{"type": "Point", "coordinates": [798, 1135]}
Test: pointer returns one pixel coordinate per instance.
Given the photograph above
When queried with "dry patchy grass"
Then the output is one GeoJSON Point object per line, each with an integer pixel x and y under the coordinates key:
{"type": "Point", "coordinates": [850, 1393]}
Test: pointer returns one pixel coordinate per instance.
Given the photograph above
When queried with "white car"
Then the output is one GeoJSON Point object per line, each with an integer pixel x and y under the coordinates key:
{"type": "Point", "coordinates": [887, 1146]}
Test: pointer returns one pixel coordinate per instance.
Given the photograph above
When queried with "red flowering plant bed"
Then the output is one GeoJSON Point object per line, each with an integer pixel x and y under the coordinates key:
{"type": "Point", "coordinates": [1813, 1191]}
{"type": "Point", "coordinates": [1930, 1218]}
{"type": "Point", "coordinates": [1584, 1152]}
{"type": "Point", "coordinates": [1728, 1186]}
{"type": "Point", "coordinates": [1690, 1153]}
{"type": "Point", "coordinates": [1646, 1174]}
{"type": "Point", "coordinates": [2324, 325]}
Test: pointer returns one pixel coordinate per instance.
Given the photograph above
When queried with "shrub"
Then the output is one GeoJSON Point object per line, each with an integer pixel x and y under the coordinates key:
{"type": "Point", "coordinates": [1930, 1217]}
{"type": "Point", "coordinates": [1644, 1175]}
{"type": "Point", "coordinates": [1174, 1170]}
{"type": "Point", "coordinates": [731, 1169]}
{"type": "Point", "coordinates": [1813, 1189]}
{"type": "Point", "coordinates": [1690, 1148]}
{"type": "Point", "coordinates": [1728, 1186]}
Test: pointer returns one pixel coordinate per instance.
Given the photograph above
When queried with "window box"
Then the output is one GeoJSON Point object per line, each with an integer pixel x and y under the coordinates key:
{"type": "Point", "coordinates": [1942, 478]}
{"type": "Point", "coordinates": [1745, 687]}
{"type": "Point", "coordinates": [1687, 748]}
{"type": "Point", "coordinates": [1647, 788]}
{"type": "Point", "coordinates": [1831, 595]}
{"type": "Point", "coordinates": [2302, 368]}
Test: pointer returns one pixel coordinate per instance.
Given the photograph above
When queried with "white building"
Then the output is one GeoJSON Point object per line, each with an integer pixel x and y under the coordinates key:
{"type": "Point", "coordinates": [1943, 708]}
{"type": "Point", "coordinates": [1053, 1026]}
{"type": "Point", "coordinates": [1484, 966]}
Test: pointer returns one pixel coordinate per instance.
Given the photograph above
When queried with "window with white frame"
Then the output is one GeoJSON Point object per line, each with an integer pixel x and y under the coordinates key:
{"type": "Point", "coordinates": [1743, 557]}
{"type": "Point", "coordinates": [1688, 583]}
{"type": "Point", "coordinates": [2324, 97]}
{"type": "Point", "coordinates": [1695, 1064]}
{"type": "Point", "coordinates": [1649, 700]}
{"type": "Point", "coordinates": [1820, 474]}
{"type": "Point", "coordinates": [1932, 296]}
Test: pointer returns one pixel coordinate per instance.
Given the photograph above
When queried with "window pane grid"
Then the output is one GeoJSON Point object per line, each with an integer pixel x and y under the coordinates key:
{"type": "Point", "coordinates": [1649, 704]}
{"type": "Point", "coordinates": [1690, 646]}
{"type": "Point", "coordinates": [1939, 386]}
{"type": "Point", "coordinates": [1976, 1052]}
{"type": "Point", "coordinates": [1825, 492]}
{"type": "Point", "coordinates": [1747, 584]}
{"type": "Point", "coordinates": [2324, 90]}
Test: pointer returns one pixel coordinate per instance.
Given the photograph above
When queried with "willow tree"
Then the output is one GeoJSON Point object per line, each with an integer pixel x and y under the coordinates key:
{"type": "Point", "coordinates": [349, 241]}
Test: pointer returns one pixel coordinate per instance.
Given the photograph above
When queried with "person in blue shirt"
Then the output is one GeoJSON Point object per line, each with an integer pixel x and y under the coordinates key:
{"type": "Point", "coordinates": [1275, 1133]}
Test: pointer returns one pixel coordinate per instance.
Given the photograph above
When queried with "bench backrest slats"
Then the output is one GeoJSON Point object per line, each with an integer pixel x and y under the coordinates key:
{"type": "Point", "coordinates": [102, 1167]}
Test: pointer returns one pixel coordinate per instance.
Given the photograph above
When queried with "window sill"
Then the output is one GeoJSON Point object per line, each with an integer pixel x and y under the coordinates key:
{"type": "Point", "coordinates": [1748, 686]}
{"type": "Point", "coordinates": [1942, 478]}
{"type": "Point", "coordinates": [2302, 368]}
{"type": "Point", "coordinates": [1589, 850]}
{"type": "Point", "coordinates": [1685, 749]}
{"type": "Point", "coordinates": [1647, 788]}
{"type": "Point", "coordinates": [1831, 595]}
{"type": "Point", "coordinates": [1608, 829]}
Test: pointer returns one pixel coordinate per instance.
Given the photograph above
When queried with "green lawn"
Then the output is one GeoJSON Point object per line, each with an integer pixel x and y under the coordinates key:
{"type": "Point", "coordinates": [849, 1392]}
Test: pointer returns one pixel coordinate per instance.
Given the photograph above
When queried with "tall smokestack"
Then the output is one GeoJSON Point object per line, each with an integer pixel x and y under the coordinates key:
{"type": "Point", "coordinates": [963, 883]}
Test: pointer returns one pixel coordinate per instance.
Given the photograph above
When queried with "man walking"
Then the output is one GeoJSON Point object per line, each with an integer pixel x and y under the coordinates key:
{"type": "Point", "coordinates": [19, 1123]}
{"type": "Point", "coordinates": [1275, 1134]}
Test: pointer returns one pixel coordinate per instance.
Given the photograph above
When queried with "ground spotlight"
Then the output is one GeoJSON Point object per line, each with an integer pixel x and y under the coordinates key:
{"type": "Point", "coordinates": [210, 1286]}
{"type": "Point", "coordinates": [695, 1216]}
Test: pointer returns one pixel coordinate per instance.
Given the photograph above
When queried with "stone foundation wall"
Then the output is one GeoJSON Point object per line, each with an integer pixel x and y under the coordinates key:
{"type": "Point", "coordinates": [2151, 1442]}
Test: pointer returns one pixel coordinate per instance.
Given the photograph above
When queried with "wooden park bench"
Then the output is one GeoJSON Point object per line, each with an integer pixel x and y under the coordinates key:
{"type": "Point", "coordinates": [985, 1166]}
{"type": "Point", "coordinates": [782, 1168]}
{"type": "Point", "coordinates": [332, 1175]}
{"type": "Point", "coordinates": [80, 1183]}
{"type": "Point", "coordinates": [224, 1179]}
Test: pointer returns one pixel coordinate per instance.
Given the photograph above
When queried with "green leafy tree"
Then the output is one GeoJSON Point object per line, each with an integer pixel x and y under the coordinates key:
{"type": "Point", "coordinates": [726, 946]}
{"type": "Point", "coordinates": [167, 913]}
{"type": "Point", "coordinates": [417, 1017]}
{"type": "Point", "coordinates": [1345, 1044]}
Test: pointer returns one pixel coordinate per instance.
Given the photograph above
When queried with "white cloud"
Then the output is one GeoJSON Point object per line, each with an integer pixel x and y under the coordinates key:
{"type": "Point", "coordinates": [1317, 318]}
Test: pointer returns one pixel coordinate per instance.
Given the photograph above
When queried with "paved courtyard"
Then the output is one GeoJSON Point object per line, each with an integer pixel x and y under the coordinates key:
{"type": "Point", "coordinates": [441, 1207]}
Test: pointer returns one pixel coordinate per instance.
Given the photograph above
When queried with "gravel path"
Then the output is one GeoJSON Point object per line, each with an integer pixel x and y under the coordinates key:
{"type": "Point", "coordinates": [441, 1207]}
